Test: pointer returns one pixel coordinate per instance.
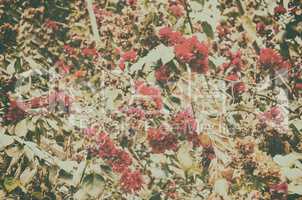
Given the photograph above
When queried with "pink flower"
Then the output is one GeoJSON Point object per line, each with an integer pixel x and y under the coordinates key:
{"type": "Point", "coordinates": [278, 10]}
{"type": "Point", "coordinates": [69, 49]}
{"type": "Point", "coordinates": [239, 87]}
{"type": "Point", "coordinates": [89, 52]}
{"type": "Point", "coordinates": [165, 32]}
{"type": "Point", "coordinates": [162, 73]}
{"type": "Point", "coordinates": [120, 161]}
{"type": "Point", "coordinates": [63, 66]}
{"type": "Point", "coordinates": [161, 141]}
{"type": "Point", "coordinates": [131, 181]}
{"type": "Point", "coordinates": [131, 2]}
{"type": "Point", "coordinates": [269, 57]}
{"type": "Point", "coordinates": [298, 86]}
{"type": "Point", "coordinates": [232, 77]}
{"type": "Point", "coordinates": [279, 188]}
{"type": "Point", "coordinates": [274, 115]}
{"type": "Point", "coordinates": [107, 148]}
{"type": "Point", "coordinates": [153, 92]}
{"type": "Point", "coordinates": [185, 122]}
{"type": "Point", "coordinates": [260, 27]}
{"type": "Point", "coordinates": [129, 56]}
{"type": "Point", "coordinates": [176, 10]}
{"type": "Point", "coordinates": [50, 24]}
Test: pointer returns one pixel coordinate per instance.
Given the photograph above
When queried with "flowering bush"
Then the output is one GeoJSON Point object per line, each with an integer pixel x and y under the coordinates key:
{"type": "Point", "coordinates": [138, 99]}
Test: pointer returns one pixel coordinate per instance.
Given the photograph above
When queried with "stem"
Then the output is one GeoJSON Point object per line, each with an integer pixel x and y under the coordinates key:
{"type": "Point", "coordinates": [188, 15]}
{"type": "Point", "coordinates": [94, 26]}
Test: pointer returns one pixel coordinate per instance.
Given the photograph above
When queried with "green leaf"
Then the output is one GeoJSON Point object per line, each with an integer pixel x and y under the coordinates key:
{"type": "Point", "coordinates": [10, 184]}
{"type": "Point", "coordinates": [208, 29]}
{"type": "Point", "coordinates": [156, 196]}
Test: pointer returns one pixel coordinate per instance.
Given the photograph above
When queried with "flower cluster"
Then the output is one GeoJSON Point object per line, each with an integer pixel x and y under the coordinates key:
{"type": "Point", "coordinates": [120, 161]}
{"type": "Point", "coordinates": [160, 141]}
{"type": "Point", "coordinates": [184, 122]}
{"type": "Point", "coordinates": [269, 58]}
{"type": "Point", "coordinates": [187, 50]}
{"type": "Point", "coordinates": [149, 91]}
{"type": "Point", "coordinates": [128, 56]}
{"type": "Point", "coordinates": [131, 181]}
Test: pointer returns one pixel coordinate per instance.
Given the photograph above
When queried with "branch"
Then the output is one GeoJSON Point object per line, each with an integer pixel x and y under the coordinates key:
{"type": "Point", "coordinates": [188, 15]}
{"type": "Point", "coordinates": [94, 26]}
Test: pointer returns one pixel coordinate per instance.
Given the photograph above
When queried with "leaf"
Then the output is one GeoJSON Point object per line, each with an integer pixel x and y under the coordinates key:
{"type": "Point", "coordinates": [155, 196]}
{"type": "Point", "coordinates": [11, 183]}
{"type": "Point", "coordinates": [249, 27]}
{"type": "Point", "coordinates": [287, 160]}
{"type": "Point", "coordinates": [166, 53]}
{"type": "Point", "coordinates": [221, 187]}
{"type": "Point", "coordinates": [184, 157]}
{"type": "Point", "coordinates": [93, 186]}
{"type": "Point", "coordinates": [207, 28]}
{"type": "Point", "coordinates": [11, 68]}
{"type": "Point", "coordinates": [21, 128]}
{"type": "Point", "coordinates": [295, 188]}
{"type": "Point", "coordinates": [27, 175]}
{"type": "Point", "coordinates": [5, 140]}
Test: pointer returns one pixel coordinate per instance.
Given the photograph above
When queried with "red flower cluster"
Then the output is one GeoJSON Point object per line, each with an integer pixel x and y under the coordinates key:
{"type": "Point", "coordinates": [161, 141]}
{"type": "Point", "coordinates": [187, 50]}
{"type": "Point", "coordinates": [162, 73]}
{"type": "Point", "coordinates": [176, 10]}
{"type": "Point", "coordinates": [222, 30]}
{"type": "Point", "coordinates": [119, 160]}
{"type": "Point", "coordinates": [185, 122]}
{"type": "Point", "coordinates": [173, 37]}
{"type": "Point", "coordinates": [235, 61]}
{"type": "Point", "coordinates": [131, 181]}
{"type": "Point", "coordinates": [152, 92]}
{"type": "Point", "coordinates": [270, 58]}
{"type": "Point", "coordinates": [272, 115]}
{"type": "Point", "coordinates": [52, 25]}
{"type": "Point", "coordinates": [89, 52]}
{"type": "Point", "coordinates": [69, 50]}
{"type": "Point", "coordinates": [131, 2]}
{"type": "Point", "coordinates": [279, 10]}
{"type": "Point", "coordinates": [63, 67]}
{"type": "Point", "coordinates": [128, 56]}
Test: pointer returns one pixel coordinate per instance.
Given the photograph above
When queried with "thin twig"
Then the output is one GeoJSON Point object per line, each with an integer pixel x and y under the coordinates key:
{"type": "Point", "coordinates": [92, 17]}
{"type": "Point", "coordinates": [188, 15]}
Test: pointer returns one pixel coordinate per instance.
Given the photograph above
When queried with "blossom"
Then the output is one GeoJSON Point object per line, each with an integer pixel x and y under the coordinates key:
{"type": "Point", "coordinates": [79, 73]}
{"type": "Point", "coordinates": [89, 52]}
{"type": "Point", "coordinates": [260, 27]}
{"type": "Point", "coordinates": [165, 32]}
{"type": "Point", "coordinates": [50, 24]}
{"type": "Point", "coordinates": [161, 141]}
{"type": "Point", "coordinates": [185, 122]}
{"type": "Point", "coordinates": [162, 73]}
{"type": "Point", "coordinates": [107, 148]}
{"type": "Point", "coordinates": [153, 92]}
{"type": "Point", "coordinates": [269, 57]}
{"type": "Point", "coordinates": [279, 188]}
{"type": "Point", "coordinates": [279, 10]}
{"type": "Point", "coordinates": [120, 161]}
{"type": "Point", "coordinates": [176, 10]}
{"type": "Point", "coordinates": [131, 2]}
{"type": "Point", "coordinates": [239, 87]}
{"type": "Point", "coordinates": [129, 56]}
{"type": "Point", "coordinates": [63, 66]}
{"type": "Point", "coordinates": [69, 49]}
{"type": "Point", "coordinates": [274, 115]}
{"type": "Point", "coordinates": [131, 181]}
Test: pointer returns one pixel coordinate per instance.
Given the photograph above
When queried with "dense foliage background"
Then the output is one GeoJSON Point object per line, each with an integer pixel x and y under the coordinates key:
{"type": "Point", "coordinates": [150, 99]}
